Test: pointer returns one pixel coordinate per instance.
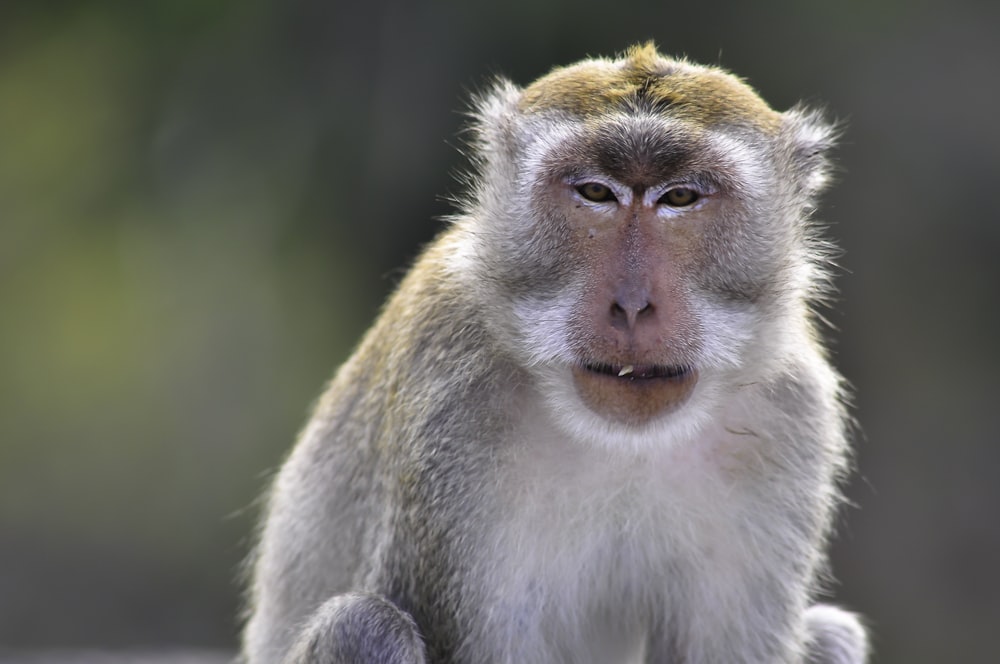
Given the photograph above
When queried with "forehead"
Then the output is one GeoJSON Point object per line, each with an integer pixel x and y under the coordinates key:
{"type": "Point", "coordinates": [644, 81]}
{"type": "Point", "coordinates": [643, 150]}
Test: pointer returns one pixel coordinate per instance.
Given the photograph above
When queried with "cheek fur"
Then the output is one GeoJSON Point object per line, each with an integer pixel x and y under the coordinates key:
{"type": "Point", "coordinates": [735, 258]}
{"type": "Point", "coordinates": [543, 327]}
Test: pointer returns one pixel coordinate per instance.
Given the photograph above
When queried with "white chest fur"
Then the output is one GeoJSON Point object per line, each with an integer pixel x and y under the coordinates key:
{"type": "Point", "coordinates": [589, 551]}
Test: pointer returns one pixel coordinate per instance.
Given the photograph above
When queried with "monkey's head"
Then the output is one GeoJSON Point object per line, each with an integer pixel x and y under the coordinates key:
{"type": "Point", "coordinates": [639, 229]}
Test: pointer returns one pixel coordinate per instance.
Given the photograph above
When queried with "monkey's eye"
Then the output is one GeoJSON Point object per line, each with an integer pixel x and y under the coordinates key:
{"type": "Point", "coordinates": [596, 192]}
{"type": "Point", "coordinates": [679, 197]}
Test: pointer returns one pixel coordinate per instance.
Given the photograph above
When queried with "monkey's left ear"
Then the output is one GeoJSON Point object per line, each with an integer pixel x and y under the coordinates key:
{"type": "Point", "coordinates": [808, 138]}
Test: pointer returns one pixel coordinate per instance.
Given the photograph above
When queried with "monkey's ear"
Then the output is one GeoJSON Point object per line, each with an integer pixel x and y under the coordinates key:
{"type": "Point", "coordinates": [808, 139]}
{"type": "Point", "coordinates": [494, 114]}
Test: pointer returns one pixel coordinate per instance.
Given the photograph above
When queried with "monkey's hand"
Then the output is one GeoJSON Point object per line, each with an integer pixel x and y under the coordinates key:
{"type": "Point", "coordinates": [835, 636]}
{"type": "Point", "coordinates": [358, 628]}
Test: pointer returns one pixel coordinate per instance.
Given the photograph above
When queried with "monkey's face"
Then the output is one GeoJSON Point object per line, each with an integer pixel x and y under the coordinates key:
{"type": "Point", "coordinates": [635, 335]}
{"type": "Point", "coordinates": [652, 244]}
{"type": "Point", "coordinates": [661, 255]}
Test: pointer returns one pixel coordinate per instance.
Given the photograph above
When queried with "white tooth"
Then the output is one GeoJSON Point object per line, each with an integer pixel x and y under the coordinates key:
{"type": "Point", "coordinates": [626, 370]}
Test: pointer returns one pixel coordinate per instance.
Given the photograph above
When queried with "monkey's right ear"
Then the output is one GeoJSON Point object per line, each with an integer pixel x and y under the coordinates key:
{"type": "Point", "coordinates": [494, 113]}
{"type": "Point", "coordinates": [809, 137]}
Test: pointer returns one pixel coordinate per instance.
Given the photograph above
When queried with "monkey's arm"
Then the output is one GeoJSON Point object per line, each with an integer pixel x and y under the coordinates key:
{"type": "Point", "coordinates": [356, 551]}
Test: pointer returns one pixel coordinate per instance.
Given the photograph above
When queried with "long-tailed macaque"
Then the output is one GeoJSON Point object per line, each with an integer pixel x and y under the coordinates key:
{"type": "Point", "coordinates": [595, 423]}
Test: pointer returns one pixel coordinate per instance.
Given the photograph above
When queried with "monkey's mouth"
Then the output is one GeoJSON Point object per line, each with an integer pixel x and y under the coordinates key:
{"type": "Point", "coordinates": [638, 371]}
{"type": "Point", "coordinates": [633, 393]}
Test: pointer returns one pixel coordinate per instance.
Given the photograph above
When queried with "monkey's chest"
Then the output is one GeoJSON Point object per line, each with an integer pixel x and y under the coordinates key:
{"type": "Point", "coordinates": [571, 596]}
{"type": "Point", "coordinates": [584, 563]}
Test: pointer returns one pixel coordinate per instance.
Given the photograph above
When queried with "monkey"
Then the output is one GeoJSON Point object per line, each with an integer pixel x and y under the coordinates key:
{"type": "Point", "coordinates": [596, 421]}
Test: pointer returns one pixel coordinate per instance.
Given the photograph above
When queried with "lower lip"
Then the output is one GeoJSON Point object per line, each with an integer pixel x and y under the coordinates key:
{"type": "Point", "coordinates": [637, 397]}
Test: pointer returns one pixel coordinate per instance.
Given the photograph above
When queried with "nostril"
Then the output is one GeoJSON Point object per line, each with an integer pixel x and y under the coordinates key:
{"type": "Point", "coordinates": [627, 312]}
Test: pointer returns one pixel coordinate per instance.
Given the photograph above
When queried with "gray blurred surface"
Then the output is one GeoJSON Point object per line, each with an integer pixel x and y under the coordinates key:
{"type": "Point", "coordinates": [106, 657]}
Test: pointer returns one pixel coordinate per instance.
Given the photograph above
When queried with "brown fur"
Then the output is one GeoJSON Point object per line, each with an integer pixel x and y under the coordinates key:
{"type": "Point", "coordinates": [703, 95]}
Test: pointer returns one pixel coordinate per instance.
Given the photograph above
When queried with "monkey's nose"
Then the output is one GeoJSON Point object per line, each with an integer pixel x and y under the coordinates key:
{"type": "Point", "coordinates": [629, 307]}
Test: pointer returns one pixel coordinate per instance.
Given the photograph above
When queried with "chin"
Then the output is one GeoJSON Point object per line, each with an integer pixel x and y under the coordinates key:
{"type": "Point", "coordinates": [576, 415]}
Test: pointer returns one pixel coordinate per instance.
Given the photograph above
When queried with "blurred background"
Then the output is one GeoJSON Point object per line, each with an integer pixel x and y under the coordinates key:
{"type": "Point", "coordinates": [204, 202]}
